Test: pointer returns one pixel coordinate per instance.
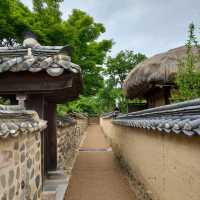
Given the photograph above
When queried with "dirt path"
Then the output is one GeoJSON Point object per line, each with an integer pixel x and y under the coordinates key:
{"type": "Point", "coordinates": [96, 175]}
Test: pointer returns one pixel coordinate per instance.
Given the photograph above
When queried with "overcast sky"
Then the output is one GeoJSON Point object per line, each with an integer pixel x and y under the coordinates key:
{"type": "Point", "coordinates": [147, 26]}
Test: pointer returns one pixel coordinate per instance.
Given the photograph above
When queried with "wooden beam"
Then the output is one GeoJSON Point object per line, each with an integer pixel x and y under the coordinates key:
{"type": "Point", "coordinates": [41, 82]}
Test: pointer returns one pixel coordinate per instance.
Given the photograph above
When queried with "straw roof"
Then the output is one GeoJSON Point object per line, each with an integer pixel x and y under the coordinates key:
{"type": "Point", "coordinates": [157, 71]}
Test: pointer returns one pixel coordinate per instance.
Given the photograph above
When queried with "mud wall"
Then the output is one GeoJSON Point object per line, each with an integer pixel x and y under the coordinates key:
{"type": "Point", "coordinates": [162, 166]}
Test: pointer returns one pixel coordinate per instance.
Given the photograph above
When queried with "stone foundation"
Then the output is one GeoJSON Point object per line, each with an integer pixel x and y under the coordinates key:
{"type": "Point", "coordinates": [20, 167]}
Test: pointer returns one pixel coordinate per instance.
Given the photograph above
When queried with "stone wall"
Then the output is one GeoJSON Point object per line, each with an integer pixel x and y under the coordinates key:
{"type": "Point", "coordinates": [160, 166]}
{"type": "Point", "coordinates": [20, 153]}
{"type": "Point", "coordinates": [70, 133]}
{"type": "Point", "coordinates": [82, 123]}
{"type": "Point", "coordinates": [20, 167]}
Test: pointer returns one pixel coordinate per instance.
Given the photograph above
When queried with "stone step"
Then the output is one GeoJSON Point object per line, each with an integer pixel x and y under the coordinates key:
{"type": "Point", "coordinates": [55, 186]}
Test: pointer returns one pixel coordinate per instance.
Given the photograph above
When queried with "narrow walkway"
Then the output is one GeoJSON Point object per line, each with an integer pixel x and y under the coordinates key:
{"type": "Point", "coordinates": [96, 175]}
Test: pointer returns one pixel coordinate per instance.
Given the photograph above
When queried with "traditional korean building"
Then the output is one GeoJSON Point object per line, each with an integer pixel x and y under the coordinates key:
{"type": "Point", "coordinates": [38, 78]}
{"type": "Point", "coordinates": [154, 78]}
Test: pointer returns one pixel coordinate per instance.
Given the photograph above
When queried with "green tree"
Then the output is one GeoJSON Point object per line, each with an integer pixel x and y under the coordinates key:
{"type": "Point", "coordinates": [188, 76]}
{"type": "Point", "coordinates": [117, 69]}
{"type": "Point", "coordinates": [15, 18]}
{"type": "Point", "coordinates": [89, 53]}
{"type": "Point", "coordinates": [106, 97]}
{"type": "Point", "coordinates": [47, 11]}
{"type": "Point", "coordinates": [88, 105]}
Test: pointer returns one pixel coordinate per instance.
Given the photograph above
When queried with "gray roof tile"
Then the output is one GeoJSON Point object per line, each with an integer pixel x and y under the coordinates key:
{"type": "Point", "coordinates": [54, 60]}
{"type": "Point", "coordinates": [14, 120]}
{"type": "Point", "coordinates": [181, 118]}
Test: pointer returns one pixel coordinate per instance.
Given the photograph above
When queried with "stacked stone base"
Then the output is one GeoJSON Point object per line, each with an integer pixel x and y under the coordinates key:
{"type": "Point", "coordinates": [69, 137]}
{"type": "Point", "coordinates": [20, 167]}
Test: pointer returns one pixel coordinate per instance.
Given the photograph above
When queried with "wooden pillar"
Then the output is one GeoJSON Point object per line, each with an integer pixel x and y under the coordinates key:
{"type": "Point", "coordinates": [36, 102]}
{"type": "Point", "coordinates": [46, 111]}
{"type": "Point", "coordinates": [50, 110]}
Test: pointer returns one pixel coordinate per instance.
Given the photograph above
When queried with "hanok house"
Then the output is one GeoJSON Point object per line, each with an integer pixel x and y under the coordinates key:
{"type": "Point", "coordinates": [39, 77]}
{"type": "Point", "coordinates": [154, 78]}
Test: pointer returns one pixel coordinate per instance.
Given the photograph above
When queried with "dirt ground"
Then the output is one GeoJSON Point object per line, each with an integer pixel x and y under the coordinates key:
{"type": "Point", "coordinates": [96, 175]}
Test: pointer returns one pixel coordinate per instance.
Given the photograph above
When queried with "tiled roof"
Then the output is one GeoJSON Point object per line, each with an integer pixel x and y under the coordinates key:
{"type": "Point", "coordinates": [180, 118]}
{"type": "Point", "coordinates": [14, 120]}
{"type": "Point", "coordinates": [53, 59]}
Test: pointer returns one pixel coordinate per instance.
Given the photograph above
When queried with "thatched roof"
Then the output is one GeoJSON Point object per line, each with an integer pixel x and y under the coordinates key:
{"type": "Point", "coordinates": [159, 70]}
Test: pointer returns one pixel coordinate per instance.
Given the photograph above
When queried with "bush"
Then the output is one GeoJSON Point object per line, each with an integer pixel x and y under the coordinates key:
{"type": "Point", "coordinates": [188, 76]}
{"type": "Point", "coordinates": [88, 105]}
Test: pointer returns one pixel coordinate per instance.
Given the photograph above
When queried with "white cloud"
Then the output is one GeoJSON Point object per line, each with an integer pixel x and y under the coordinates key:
{"type": "Point", "coordinates": [148, 26]}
